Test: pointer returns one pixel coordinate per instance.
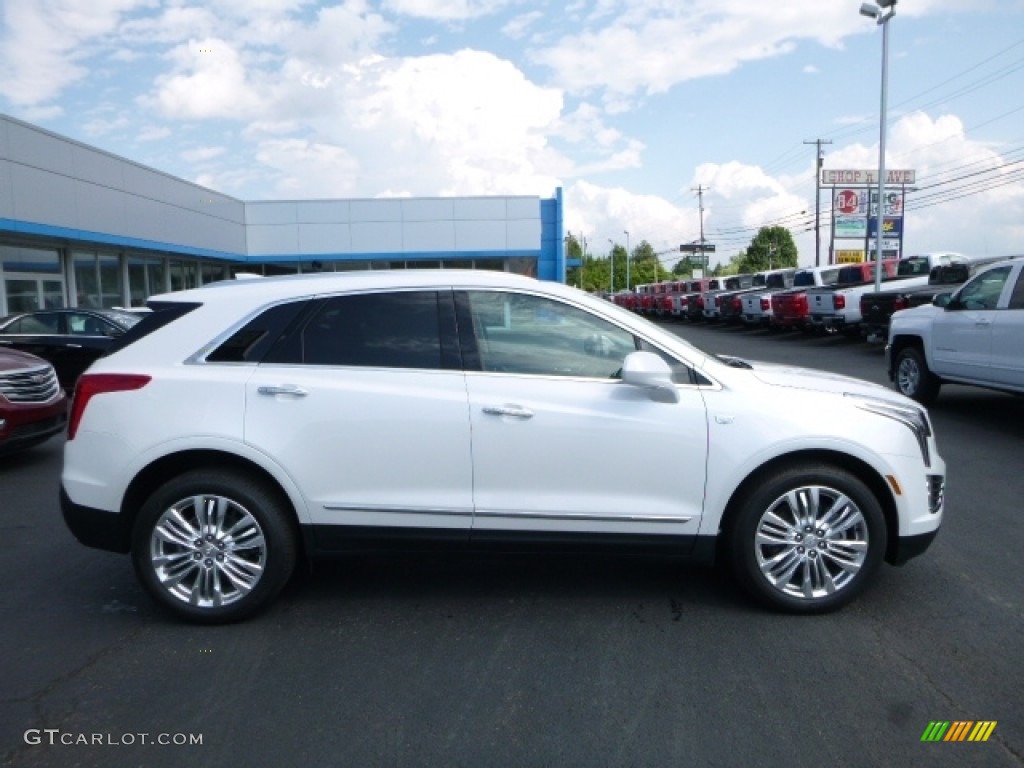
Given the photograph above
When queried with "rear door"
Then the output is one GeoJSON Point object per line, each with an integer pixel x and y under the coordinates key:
{"type": "Point", "coordinates": [1008, 335]}
{"type": "Point", "coordinates": [364, 405]}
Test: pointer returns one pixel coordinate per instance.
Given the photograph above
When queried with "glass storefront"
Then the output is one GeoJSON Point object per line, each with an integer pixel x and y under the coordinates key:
{"type": "Point", "coordinates": [146, 276]}
{"type": "Point", "coordinates": [98, 279]}
{"type": "Point", "coordinates": [31, 279]}
{"type": "Point", "coordinates": [184, 274]}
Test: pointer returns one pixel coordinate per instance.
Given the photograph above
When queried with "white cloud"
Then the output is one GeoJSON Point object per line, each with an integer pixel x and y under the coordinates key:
{"type": "Point", "coordinates": [154, 133]}
{"type": "Point", "coordinates": [200, 154]}
{"type": "Point", "coordinates": [210, 81]}
{"type": "Point", "coordinates": [309, 169]}
{"type": "Point", "coordinates": [466, 123]}
{"type": "Point", "coordinates": [445, 10]}
{"type": "Point", "coordinates": [519, 26]}
{"type": "Point", "coordinates": [651, 45]}
{"type": "Point", "coordinates": [602, 214]}
{"type": "Point", "coordinates": [44, 42]}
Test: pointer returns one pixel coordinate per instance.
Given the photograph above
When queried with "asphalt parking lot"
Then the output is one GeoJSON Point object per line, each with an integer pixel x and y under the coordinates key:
{"type": "Point", "coordinates": [533, 661]}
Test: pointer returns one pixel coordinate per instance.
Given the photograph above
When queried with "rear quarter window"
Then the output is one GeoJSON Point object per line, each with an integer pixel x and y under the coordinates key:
{"type": "Point", "coordinates": [164, 313]}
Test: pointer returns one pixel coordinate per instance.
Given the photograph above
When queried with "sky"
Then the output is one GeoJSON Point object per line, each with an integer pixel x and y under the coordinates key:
{"type": "Point", "coordinates": [629, 106]}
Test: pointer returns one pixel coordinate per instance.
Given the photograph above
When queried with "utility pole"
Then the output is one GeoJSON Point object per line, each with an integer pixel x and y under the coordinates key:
{"type": "Point", "coordinates": [818, 162]}
{"type": "Point", "coordinates": [700, 190]}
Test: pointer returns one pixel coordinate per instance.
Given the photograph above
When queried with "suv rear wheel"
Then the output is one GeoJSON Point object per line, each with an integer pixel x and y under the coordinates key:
{"type": "Point", "coordinates": [808, 539]}
{"type": "Point", "coordinates": [213, 546]}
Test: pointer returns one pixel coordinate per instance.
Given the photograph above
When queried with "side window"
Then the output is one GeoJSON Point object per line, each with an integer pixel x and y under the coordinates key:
{"type": "Point", "coordinates": [1017, 297]}
{"type": "Point", "coordinates": [984, 290]}
{"type": "Point", "coordinates": [519, 333]}
{"type": "Point", "coordinates": [380, 330]}
{"type": "Point", "coordinates": [87, 325]}
{"type": "Point", "coordinates": [251, 342]}
{"type": "Point", "coordinates": [38, 324]}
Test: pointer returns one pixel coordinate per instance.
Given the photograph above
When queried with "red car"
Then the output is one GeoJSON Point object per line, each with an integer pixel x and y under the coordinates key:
{"type": "Point", "coordinates": [33, 407]}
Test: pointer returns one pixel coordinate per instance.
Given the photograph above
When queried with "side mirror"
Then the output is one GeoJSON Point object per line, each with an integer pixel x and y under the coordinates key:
{"type": "Point", "coordinates": [650, 372]}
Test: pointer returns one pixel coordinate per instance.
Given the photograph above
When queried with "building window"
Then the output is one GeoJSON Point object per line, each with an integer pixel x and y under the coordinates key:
{"type": "Point", "coordinates": [98, 279]}
{"type": "Point", "coordinates": [184, 275]}
{"type": "Point", "coordinates": [146, 277]}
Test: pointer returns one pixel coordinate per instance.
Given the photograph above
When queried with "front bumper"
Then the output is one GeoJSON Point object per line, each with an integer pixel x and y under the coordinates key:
{"type": "Point", "coordinates": [908, 547]}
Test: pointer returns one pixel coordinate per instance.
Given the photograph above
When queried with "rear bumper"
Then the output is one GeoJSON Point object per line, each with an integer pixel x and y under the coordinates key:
{"type": "Point", "coordinates": [96, 528]}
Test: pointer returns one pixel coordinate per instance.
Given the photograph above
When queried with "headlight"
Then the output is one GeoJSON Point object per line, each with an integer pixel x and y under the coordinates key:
{"type": "Point", "coordinates": [915, 419]}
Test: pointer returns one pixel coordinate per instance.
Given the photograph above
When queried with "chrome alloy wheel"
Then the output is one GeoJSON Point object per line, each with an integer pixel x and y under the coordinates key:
{"type": "Point", "coordinates": [207, 551]}
{"type": "Point", "coordinates": [811, 542]}
{"type": "Point", "coordinates": [908, 376]}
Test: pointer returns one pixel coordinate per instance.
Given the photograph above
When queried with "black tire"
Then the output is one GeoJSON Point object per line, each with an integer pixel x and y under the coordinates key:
{"type": "Point", "coordinates": [913, 378]}
{"type": "Point", "coordinates": [229, 546]}
{"type": "Point", "coordinates": [818, 559]}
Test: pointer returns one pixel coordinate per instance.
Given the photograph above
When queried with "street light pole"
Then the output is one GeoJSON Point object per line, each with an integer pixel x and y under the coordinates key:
{"type": "Point", "coordinates": [877, 12]}
{"type": "Point", "coordinates": [627, 259]}
{"type": "Point", "coordinates": [611, 272]}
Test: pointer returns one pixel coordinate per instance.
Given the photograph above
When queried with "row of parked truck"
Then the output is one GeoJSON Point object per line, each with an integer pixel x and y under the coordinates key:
{"type": "Point", "coordinates": [828, 299]}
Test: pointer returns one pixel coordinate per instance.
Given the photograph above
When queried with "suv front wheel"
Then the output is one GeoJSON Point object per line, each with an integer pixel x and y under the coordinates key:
{"type": "Point", "coordinates": [213, 546]}
{"type": "Point", "coordinates": [808, 539]}
{"type": "Point", "coordinates": [913, 378]}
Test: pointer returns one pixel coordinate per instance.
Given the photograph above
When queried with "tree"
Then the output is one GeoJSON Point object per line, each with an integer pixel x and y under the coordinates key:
{"type": "Point", "coordinates": [771, 248]}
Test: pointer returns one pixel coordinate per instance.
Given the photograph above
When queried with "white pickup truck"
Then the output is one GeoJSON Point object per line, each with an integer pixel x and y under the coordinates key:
{"type": "Point", "coordinates": [838, 309]}
{"type": "Point", "coordinates": [757, 305]}
{"type": "Point", "coordinates": [973, 336]}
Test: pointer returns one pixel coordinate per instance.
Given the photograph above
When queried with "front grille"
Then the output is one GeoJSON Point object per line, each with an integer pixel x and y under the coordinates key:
{"type": "Point", "coordinates": [35, 385]}
{"type": "Point", "coordinates": [936, 492]}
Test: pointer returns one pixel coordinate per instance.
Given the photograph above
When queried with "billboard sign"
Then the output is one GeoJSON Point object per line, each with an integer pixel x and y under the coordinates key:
{"type": "Point", "coordinates": [850, 226]}
{"type": "Point", "coordinates": [891, 228]}
{"type": "Point", "coordinates": [849, 257]}
{"type": "Point", "coordinates": [854, 202]}
{"type": "Point", "coordinates": [835, 178]}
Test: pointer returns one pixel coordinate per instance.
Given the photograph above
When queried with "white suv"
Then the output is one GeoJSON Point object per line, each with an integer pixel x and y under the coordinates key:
{"type": "Point", "coordinates": [243, 425]}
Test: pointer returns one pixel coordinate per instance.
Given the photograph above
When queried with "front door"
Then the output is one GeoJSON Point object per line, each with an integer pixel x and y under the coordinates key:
{"type": "Point", "coordinates": [561, 447]}
{"type": "Point", "coordinates": [962, 334]}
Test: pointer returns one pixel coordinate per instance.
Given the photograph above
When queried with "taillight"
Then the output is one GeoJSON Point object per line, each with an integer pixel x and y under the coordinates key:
{"type": "Point", "coordinates": [839, 302]}
{"type": "Point", "coordinates": [700, 302]}
{"type": "Point", "coordinates": [901, 303]}
{"type": "Point", "coordinates": [766, 304]}
{"type": "Point", "coordinates": [91, 384]}
{"type": "Point", "coordinates": [736, 304]}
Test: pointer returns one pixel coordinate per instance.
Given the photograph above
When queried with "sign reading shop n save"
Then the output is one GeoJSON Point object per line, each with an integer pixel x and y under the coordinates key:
{"type": "Point", "coordinates": [854, 177]}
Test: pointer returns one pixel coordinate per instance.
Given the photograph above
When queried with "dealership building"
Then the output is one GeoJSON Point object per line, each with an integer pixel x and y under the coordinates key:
{"type": "Point", "coordinates": [83, 227]}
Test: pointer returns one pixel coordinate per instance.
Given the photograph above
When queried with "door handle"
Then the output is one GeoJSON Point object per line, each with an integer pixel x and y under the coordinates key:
{"type": "Point", "coordinates": [982, 321]}
{"type": "Point", "coordinates": [74, 346]}
{"type": "Point", "coordinates": [515, 411]}
{"type": "Point", "coordinates": [288, 389]}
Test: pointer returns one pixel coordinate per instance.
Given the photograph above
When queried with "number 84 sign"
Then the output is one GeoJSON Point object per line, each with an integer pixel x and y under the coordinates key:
{"type": "Point", "coordinates": [854, 202]}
